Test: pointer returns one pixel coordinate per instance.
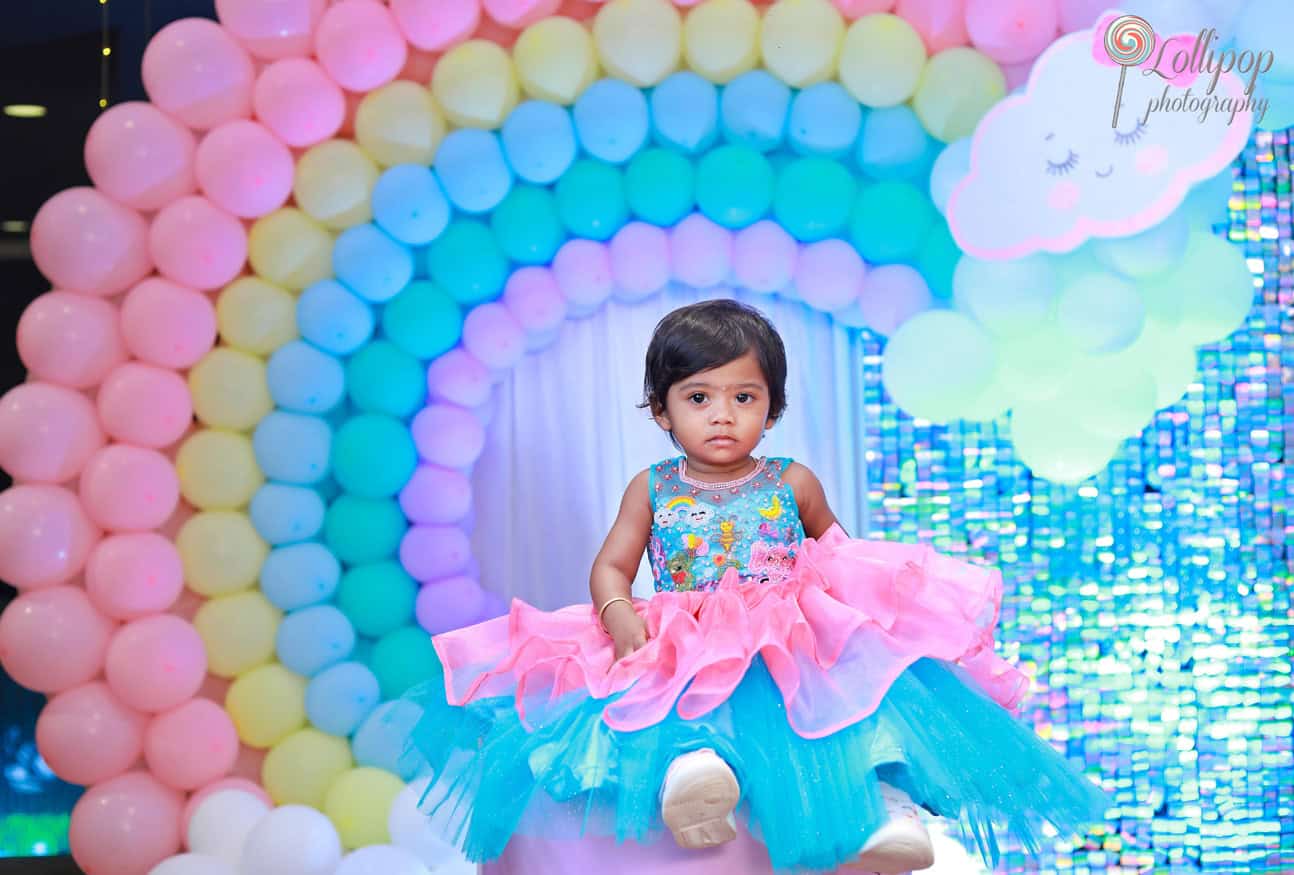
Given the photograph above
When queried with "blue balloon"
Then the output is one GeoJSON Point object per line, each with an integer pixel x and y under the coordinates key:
{"type": "Point", "coordinates": [304, 378]}
{"type": "Point", "coordinates": [333, 318]}
{"type": "Point", "coordinates": [371, 263]}
{"type": "Point", "coordinates": [284, 514]}
{"type": "Point", "coordinates": [825, 120]}
{"type": "Point", "coordinates": [311, 639]}
{"type": "Point", "coordinates": [894, 145]}
{"type": "Point", "coordinates": [299, 575]}
{"type": "Point", "coordinates": [293, 447]}
{"type": "Point", "coordinates": [410, 205]}
{"type": "Point", "coordinates": [753, 110]}
{"type": "Point", "coordinates": [685, 112]}
{"type": "Point", "coordinates": [471, 167]}
{"type": "Point", "coordinates": [539, 141]}
{"type": "Point", "coordinates": [379, 741]}
{"type": "Point", "coordinates": [611, 120]}
{"type": "Point", "coordinates": [339, 698]}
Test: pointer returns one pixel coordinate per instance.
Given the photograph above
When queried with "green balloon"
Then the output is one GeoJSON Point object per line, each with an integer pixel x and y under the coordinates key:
{"type": "Point", "coordinates": [937, 260]}
{"type": "Point", "coordinates": [591, 200]}
{"type": "Point", "coordinates": [373, 455]}
{"type": "Point", "coordinates": [377, 598]}
{"type": "Point", "coordinates": [734, 186]}
{"type": "Point", "coordinates": [361, 530]}
{"type": "Point", "coordinates": [527, 225]}
{"type": "Point", "coordinates": [814, 198]}
{"type": "Point", "coordinates": [403, 659]}
{"type": "Point", "coordinates": [467, 262]}
{"type": "Point", "coordinates": [891, 221]}
{"type": "Point", "coordinates": [423, 320]}
{"type": "Point", "coordinates": [660, 186]}
{"type": "Point", "coordinates": [382, 378]}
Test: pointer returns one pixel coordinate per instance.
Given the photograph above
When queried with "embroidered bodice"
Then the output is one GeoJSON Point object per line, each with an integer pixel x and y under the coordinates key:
{"type": "Point", "coordinates": [700, 530]}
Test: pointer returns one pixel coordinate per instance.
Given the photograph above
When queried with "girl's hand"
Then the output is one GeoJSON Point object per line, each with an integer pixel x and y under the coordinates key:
{"type": "Point", "coordinates": [628, 630]}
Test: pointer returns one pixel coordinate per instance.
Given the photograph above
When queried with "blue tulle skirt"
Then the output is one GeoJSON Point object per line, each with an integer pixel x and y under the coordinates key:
{"type": "Point", "coordinates": [813, 802]}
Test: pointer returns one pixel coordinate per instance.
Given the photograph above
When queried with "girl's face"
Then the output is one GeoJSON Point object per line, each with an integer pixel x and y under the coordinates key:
{"type": "Point", "coordinates": [718, 416]}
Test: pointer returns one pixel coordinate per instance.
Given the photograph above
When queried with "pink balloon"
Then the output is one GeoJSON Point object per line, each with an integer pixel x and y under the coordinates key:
{"type": "Point", "coordinates": [192, 745]}
{"type": "Point", "coordinates": [763, 257]}
{"type": "Point", "coordinates": [87, 736]}
{"type": "Point", "coordinates": [360, 45]}
{"type": "Point", "coordinates": [45, 536]}
{"type": "Point", "coordinates": [155, 663]}
{"type": "Point", "coordinates": [639, 260]}
{"type": "Point", "coordinates": [492, 335]}
{"type": "Point", "coordinates": [139, 155]}
{"type": "Point", "coordinates": [134, 575]}
{"type": "Point", "coordinates": [459, 378]}
{"type": "Point", "coordinates": [242, 784]}
{"type": "Point", "coordinates": [852, 9]}
{"type": "Point", "coordinates": [449, 604]}
{"type": "Point", "coordinates": [244, 169]}
{"type": "Point", "coordinates": [129, 489]}
{"type": "Point", "coordinates": [84, 242]}
{"type": "Point", "coordinates": [582, 269]}
{"type": "Point", "coordinates": [47, 432]}
{"type": "Point", "coordinates": [197, 244]}
{"type": "Point", "coordinates": [69, 339]}
{"type": "Point", "coordinates": [436, 25]}
{"type": "Point", "coordinates": [891, 295]}
{"type": "Point", "coordinates": [1011, 31]}
{"type": "Point", "coordinates": [433, 552]}
{"type": "Point", "coordinates": [1081, 14]}
{"type": "Point", "coordinates": [53, 639]}
{"type": "Point", "coordinates": [940, 23]}
{"type": "Point", "coordinates": [535, 301]}
{"type": "Point", "coordinates": [436, 495]}
{"type": "Point", "coordinates": [167, 324]}
{"type": "Point", "coordinates": [145, 405]}
{"type": "Point", "coordinates": [700, 252]}
{"type": "Point", "coordinates": [448, 436]}
{"type": "Point", "coordinates": [1017, 74]}
{"type": "Point", "coordinates": [272, 29]}
{"type": "Point", "coordinates": [126, 825]}
{"type": "Point", "coordinates": [828, 274]}
{"type": "Point", "coordinates": [296, 100]}
{"type": "Point", "coordinates": [517, 14]}
{"type": "Point", "coordinates": [194, 70]}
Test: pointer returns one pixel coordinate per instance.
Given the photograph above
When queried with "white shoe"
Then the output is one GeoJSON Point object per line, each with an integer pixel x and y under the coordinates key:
{"type": "Point", "coordinates": [902, 843]}
{"type": "Point", "coordinates": [698, 797]}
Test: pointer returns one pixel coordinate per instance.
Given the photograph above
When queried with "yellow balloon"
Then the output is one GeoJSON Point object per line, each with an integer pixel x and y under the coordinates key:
{"type": "Point", "coordinates": [221, 552]}
{"type": "Point", "coordinates": [721, 39]}
{"type": "Point", "coordinates": [229, 389]}
{"type": "Point", "coordinates": [218, 470]}
{"type": "Point", "coordinates": [399, 123]}
{"type": "Point", "coordinates": [267, 705]}
{"type": "Point", "coordinates": [334, 183]}
{"type": "Point", "coordinates": [555, 60]}
{"type": "Point", "coordinates": [881, 60]}
{"type": "Point", "coordinates": [359, 805]}
{"type": "Point", "coordinates": [957, 87]}
{"type": "Point", "coordinates": [256, 316]}
{"type": "Point", "coordinates": [475, 85]}
{"type": "Point", "coordinates": [801, 41]}
{"type": "Point", "coordinates": [239, 632]}
{"type": "Point", "coordinates": [301, 768]}
{"type": "Point", "coordinates": [290, 249]}
{"type": "Point", "coordinates": [639, 41]}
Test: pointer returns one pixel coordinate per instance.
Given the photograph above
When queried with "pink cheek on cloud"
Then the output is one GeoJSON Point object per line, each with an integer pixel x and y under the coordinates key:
{"type": "Point", "coordinates": [1063, 196]}
{"type": "Point", "coordinates": [1151, 159]}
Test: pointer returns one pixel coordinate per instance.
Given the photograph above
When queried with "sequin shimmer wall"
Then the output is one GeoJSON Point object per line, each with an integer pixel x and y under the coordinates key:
{"type": "Point", "coordinates": [1152, 603]}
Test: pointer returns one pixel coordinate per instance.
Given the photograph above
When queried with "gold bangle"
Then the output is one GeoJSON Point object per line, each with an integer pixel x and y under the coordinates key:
{"type": "Point", "coordinates": [608, 603]}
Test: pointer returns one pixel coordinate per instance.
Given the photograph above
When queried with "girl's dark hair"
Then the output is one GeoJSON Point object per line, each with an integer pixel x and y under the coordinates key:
{"type": "Point", "coordinates": [702, 336]}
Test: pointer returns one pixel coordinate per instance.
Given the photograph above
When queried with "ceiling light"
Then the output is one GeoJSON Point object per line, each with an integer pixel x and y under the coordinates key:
{"type": "Point", "coordinates": [24, 110]}
{"type": "Point", "coordinates": [13, 226]}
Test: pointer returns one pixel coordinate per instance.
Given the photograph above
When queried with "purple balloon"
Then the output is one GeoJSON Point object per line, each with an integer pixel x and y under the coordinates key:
{"type": "Point", "coordinates": [891, 295]}
{"type": "Point", "coordinates": [436, 495]}
{"type": "Point", "coordinates": [433, 552]}
{"type": "Point", "coordinates": [459, 378]}
{"type": "Point", "coordinates": [448, 604]}
{"type": "Point", "coordinates": [448, 436]}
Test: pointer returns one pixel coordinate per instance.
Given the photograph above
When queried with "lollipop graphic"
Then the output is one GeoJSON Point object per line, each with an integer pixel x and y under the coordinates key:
{"type": "Point", "coordinates": [1128, 41]}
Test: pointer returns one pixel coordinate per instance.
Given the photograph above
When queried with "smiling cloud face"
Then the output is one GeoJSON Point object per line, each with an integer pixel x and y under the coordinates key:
{"type": "Point", "coordinates": [1049, 172]}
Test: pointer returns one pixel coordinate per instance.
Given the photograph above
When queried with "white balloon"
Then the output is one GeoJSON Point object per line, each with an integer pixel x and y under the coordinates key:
{"type": "Point", "coordinates": [949, 168]}
{"type": "Point", "coordinates": [291, 840]}
{"type": "Point", "coordinates": [1007, 298]}
{"type": "Point", "coordinates": [1055, 447]}
{"type": "Point", "coordinates": [1149, 252]}
{"type": "Point", "coordinates": [936, 363]}
{"type": "Point", "coordinates": [381, 860]}
{"type": "Point", "coordinates": [193, 864]}
{"type": "Point", "coordinates": [221, 822]}
{"type": "Point", "coordinates": [1100, 313]}
{"type": "Point", "coordinates": [423, 836]}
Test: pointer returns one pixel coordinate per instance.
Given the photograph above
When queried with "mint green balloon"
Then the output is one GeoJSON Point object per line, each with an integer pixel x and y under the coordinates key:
{"type": "Point", "coordinates": [403, 659]}
{"type": "Point", "coordinates": [423, 320]}
{"type": "Point", "coordinates": [814, 198]}
{"type": "Point", "coordinates": [937, 260]}
{"type": "Point", "coordinates": [891, 221]}
{"type": "Point", "coordinates": [591, 200]}
{"type": "Point", "coordinates": [373, 455]}
{"type": "Point", "coordinates": [361, 530]}
{"type": "Point", "coordinates": [660, 185]}
{"type": "Point", "coordinates": [467, 262]}
{"type": "Point", "coordinates": [382, 378]}
{"type": "Point", "coordinates": [734, 186]}
{"type": "Point", "coordinates": [377, 598]}
{"type": "Point", "coordinates": [527, 225]}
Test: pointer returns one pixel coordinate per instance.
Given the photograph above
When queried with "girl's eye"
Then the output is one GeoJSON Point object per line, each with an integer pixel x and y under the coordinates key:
{"type": "Point", "coordinates": [1063, 167]}
{"type": "Point", "coordinates": [744, 397]}
{"type": "Point", "coordinates": [697, 398]}
{"type": "Point", "coordinates": [1132, 136]}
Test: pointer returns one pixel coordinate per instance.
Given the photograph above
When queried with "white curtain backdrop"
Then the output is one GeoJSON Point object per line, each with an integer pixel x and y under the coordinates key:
{"type": "Point", "coordinates": [565, 437]}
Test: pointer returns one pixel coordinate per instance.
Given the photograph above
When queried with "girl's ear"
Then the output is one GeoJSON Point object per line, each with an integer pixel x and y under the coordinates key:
{"type": "Point", "coordinates": [662, 419]}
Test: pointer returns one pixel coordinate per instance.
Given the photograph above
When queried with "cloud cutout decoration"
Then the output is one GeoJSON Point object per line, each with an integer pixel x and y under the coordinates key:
{"type": "Point", "coordinates": [1048, 171]}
